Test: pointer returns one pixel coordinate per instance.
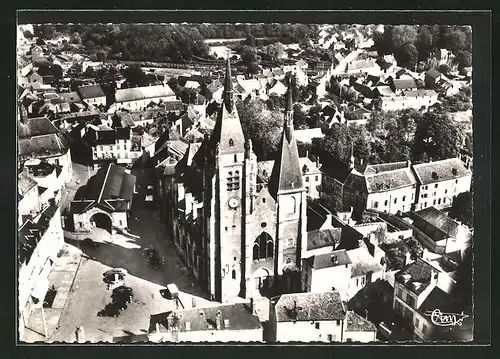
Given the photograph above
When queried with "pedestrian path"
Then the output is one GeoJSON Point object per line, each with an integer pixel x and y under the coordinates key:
{"type": "Point", "coordinates": [61, 277]}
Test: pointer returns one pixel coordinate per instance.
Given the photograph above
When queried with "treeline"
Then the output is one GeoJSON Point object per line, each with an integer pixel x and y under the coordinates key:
{"type": "Point", "coordinates": [413, 43]}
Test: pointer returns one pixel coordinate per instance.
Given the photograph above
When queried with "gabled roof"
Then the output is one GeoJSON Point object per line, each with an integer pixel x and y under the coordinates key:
{"type": "Point", "coordinates": [418, 272]}
{"type": "Point", "coordinates": [420, 93]}
{"type": "Point", "coordinates": [442, 170]}
{"type": "Point", "coordinates": [401, 84]}
{"type": "Point", "coordinates": [329, 260]}
{"type": "Point", "coordinates": [441, 221]}
{"type": "Point", "coordinates": [385, 177]}
{"type": "Point", "coordinates": [24, 183]}
{"type": "Point", "coordinates": [309, 307]}
{"type": "Point", "coordinates": [91, 91]}
{"type": "Point", "coordinates": [143, 93]}
{"type": "Point", "coordinates": [43, 146]}
{"type": "Point", "coordinates": [356, 323]}
{"type": "Point", "coordinates": [324, 238]}
{"type": "Point", "coordinates": [433, 73]}
{"type": "Point", "coordinates": [36, 127]}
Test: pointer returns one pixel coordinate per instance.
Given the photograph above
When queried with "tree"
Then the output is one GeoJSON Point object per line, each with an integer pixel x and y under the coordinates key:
{"type": "Point", "coordinates": [437, 136]}
{"type": "Point", "coordinates": [28, 34]}
{"type": "Point", "coordinates": [462, 209]}
{"type": "Point", "coordinates": [330, 200]}
{"type": "Point", "coordinates": [262, 126]}
{"type": "Point", "coordinates": [89, 71]}
{"type": "Point", "coordinates": [463, 59]}
{"type": "Point", "coordinates": [407, 55]}
{"type": "Point", "coordinates": [250, 40]}
{"type": "Point", "coordinates": [57, 71]}
{"type": "Point", "coordinates": [335, 143]}
{"type": "Point", "coordinates": [135, 76]}
{"type": "Point", "coordinates": [40, 42]}
{"type": "Point", "coordinates": [90, 45]}
{"type": "Point", "coordinates": [187, 95]}
{"type": "Point", "coordinates": [248, 55]}
{"type": "Point", "coordinates": [402, 35]}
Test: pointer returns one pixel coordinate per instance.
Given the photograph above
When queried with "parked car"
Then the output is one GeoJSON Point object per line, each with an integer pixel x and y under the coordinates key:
{"type": "Point", "coordinates": [110, 310]}
{"type": "Point", "coordinates": [122, 294]}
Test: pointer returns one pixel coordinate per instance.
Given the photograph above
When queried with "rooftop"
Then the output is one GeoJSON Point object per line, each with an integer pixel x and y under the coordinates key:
{"type": "Point", "coordinates": [37, 126]}
{"type": "Point", "coordinates": [441, 221]}
{"type": "Point", "coordinates": [417, 274]}
{"type": "Point", "coordinates": [43, 146]}
{"type": "Point", "coordinates": [443, 170]}
{"type": "Point", "coordinates": [143, 93]}
{"type": "Point", "coordinates": [24, 183]}
{"type": "Point", "coordinates": [91, 91]}
{"type": "Point", "coordinates": [356, 323]}
{"type": "Point", "coordinates": [328, 260]}
{"type": "Point", "coordinates": [401, 84]}
{"type": "Point", "coordinates": [306, 135]}
{"type": "Point", "coordinates": [363, 262]}
{"type": "Point", "coordinates": [294, 307]}
{"type": "Point", "coordinates": [389, 180]}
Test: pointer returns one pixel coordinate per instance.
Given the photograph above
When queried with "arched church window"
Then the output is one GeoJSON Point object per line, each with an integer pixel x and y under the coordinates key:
{"type": "Point", "coordinates": [291, 206]}
{"type": "Point", "coordinates": [263, 246]}
{"type": "Point", "coordinates": [231, 142]}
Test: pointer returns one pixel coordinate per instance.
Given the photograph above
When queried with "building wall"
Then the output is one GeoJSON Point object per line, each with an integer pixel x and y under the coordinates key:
{"type": "Point", "coordinates": [323, 280]}
{"type": "Point", "coordinates": [121, 150]}
{"type": "Point", "coordinates": [140, 104]}
{"type": "Point", "coordinates": [399, 103]}
{"type": "Point", "coordinates": [356, 283]}
{"type": "Point", "coordinates": [29, 204]}
{"type": "Point", "coordinates": [40, 263]}
{"type": "Point", "coordinates": [249, 335]}
{"type": "Point", "coordinates": [392, 201]}
{"type": "Point", "coordinates": [309, 332]}
{"type": "Point", "coordinates": [362, 337]}
{"type": "Point", "coordinates": [65, 162]}
{"type": "Point", "coordinates": [441, 194]}
{"type": "Point", "coordinates": [86, 225]}
{"type": "Point", "coordinates": [96, 101]}
{"type": "Point", "coordinates": [312, 182]}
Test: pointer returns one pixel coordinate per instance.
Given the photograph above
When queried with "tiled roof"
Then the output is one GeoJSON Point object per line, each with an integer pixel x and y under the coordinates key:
{"type": "Point", "coordinates": [307, 135]}
{"type": "Point", "coordinates": [328, 260]}
{"type": "Point", "coordinates": [363, 262]}
{"type": "Point", "coordinates": [440, 171]}
{"type": "Point", "coordinates": [390, 180]}
{"type": "Point", "coordinates": [420, 93]}
{"type": "Point", "coordinates": [36, 127]}
{"type": "Point", "coordinates": [356, 323]}
{"type": "Point", "coordinates": [24, 183]}
{"type": "Point", "coordinates": [433, 73]}
{"type": "Point", "coordinates": [214, 86]}
{"type": "Point", "coordinates": [419, 272]}
{"type": "Point", "coordinates": [143, 93]}
{"type": "Point", "coordinates": [334, 168]}
{"type": "Point", "coordinates": [43, 146]}
{"type": "Point", "coordinates": [310, 307]}
{"type": "Point", "coordinates": [402, 84]}
{"type": "Point", "coordinates": [384, 90]}
{"type": "Point", "coordinates": [199, 319]}
{"type": "Point", "coordinates": [173, 105]}
{"type": "Point", "coordinates": [91, 91]}
{"type": "Point", "coordinates": [384, 167]}
{"type": "Point", "coordinates": [323, 238]}
{"type": "Point", "coordinates": [442, 222]}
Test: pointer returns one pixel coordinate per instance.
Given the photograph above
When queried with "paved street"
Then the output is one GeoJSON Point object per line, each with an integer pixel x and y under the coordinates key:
{"type": "Point", "coordinates": [89, 294]}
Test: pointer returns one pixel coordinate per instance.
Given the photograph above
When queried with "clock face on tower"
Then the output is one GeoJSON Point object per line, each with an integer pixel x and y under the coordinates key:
{"type": "Point", "coordinates": [233, 202]}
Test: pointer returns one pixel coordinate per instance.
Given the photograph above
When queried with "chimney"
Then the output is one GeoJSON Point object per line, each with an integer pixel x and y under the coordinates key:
{"type": "Point", "coordinates": [226, 323]}
{"type": "Point", "coordinates": [334, 259]}
{"type": "Point", "coordinates": [307, 153]}
{"type": "Point", "coordinates": [454, 171]}
{"type": "Point", "coordinates": [408, 163]}
{"type": "Point", "coordinates": [157, 327]}
{"type": "Point", "coordinates": [218, 320]}
{"type": "Point", "coordinates": [434, 277]}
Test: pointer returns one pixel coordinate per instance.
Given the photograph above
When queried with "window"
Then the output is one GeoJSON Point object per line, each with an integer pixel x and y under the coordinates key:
{"type": "Point", "coordinates": [233, 181]}
{"type": "Point", "coordinates": [121, 223]}
{"type": "Point", "coordinates": [316, 178]}
{"type": "Point", "coordinates": [445, 191]}
{"type": "Point", "coordinates": [307, 179]}
{"type": "Point", "coordinates": [439, 201]}
{"type": "Point", "coordinates": [231, 142]}
{"type": "Point", "coordinates": [426, 187]}
{"type": "Point", "coordinates": [329, 337]}
{"type": "Point", "coordinates": [357, 282]}
{"type": "Point", "coordinates": [410, 301]}
{"type": "Point", "coordinates": [399, 292]}
{"type": "Point", "coordinates": [416, 322]}
{"type": "Point", "coordinates": [456, 181]}
{"type": "Point", "coordinates": [424, 328]}
{"type": "Point", "coordinates": [433, 194]}
{"type": "Point", "coordinates": [385, 202]}
{"type": "Point", "coordinates": [433, 202]}
{"type": "Point", "coordinates": [425, 204]}
{"type": "Point", "coordinates": [233, 274]}
{"type": "Point", "coordinates": [444, 200]}
{"type": "Point", "coordinates": [263, 246]}
{"type": "Point", "coordinates": [118, 155]}
{"type": "Point", "coordinates": [404, 198]}
{"type": "Point", "coordinates": [412, 196]}
{"type": "Point", "coordinates": [235, 158]}
{"type": "Point", "coordinates": [263, 200]}
{"type": "Point", "coordinates": [436, 185]}
{"type": "Point", "coordinates": [118, 147]}
{"type": "Point", "coordinates": [363, 281]}
{"type": "Point", "coordinates": [375, 204]}
{"type": "Point", "coordinates": [102, 148]}
{"type": "Point", "coordinates": [316, 325]}
{"type": "Point", "coordinates": [395, 200]}
{"type": "Point", "coordinates": [81, 224]}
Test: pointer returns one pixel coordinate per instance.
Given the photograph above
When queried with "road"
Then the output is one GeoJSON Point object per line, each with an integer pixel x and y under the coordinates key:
{"type": "Point", "coordinates": [89, 294]}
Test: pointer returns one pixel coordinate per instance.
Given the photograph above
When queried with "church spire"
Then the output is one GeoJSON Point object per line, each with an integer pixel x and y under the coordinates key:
{"type": "Point", "coordinates": [286, 175]}
{"type": "Point", "coordinates": [228, 88]}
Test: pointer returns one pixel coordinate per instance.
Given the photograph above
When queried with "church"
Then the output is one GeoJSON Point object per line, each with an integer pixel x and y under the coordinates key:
{"type": "Point", "coordinates": [238, 232]}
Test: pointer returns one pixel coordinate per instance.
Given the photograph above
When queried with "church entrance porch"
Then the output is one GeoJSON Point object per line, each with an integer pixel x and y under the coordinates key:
{"type": "Point", "coordinates": [101, 220]}
{"type": "Point", "coordinates": [262, 283]}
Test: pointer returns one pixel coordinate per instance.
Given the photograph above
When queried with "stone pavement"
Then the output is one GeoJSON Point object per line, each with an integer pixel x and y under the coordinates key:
{"type": "Point", "coordinates": [61, 277]}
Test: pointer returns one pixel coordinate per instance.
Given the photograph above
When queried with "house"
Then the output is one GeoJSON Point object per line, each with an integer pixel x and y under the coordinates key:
{"type": "Point", "coordinates": [399, 85]}
{"type": "Point", "coordinates": [276, 87]}
{"type": "Point", "coordinates": [214, 91]}
{"type": "Point", "coordinates": [413, 286]}
{"type": "Point", "coordinates": [432, 77]}
{"type": "Point", "coordinates": [92, 95]}
{"type": "Point", "coordinates": [138, 98]}
{"type": "Point", "coordinates": [383, 91]}
{"type": "Point", "coordinates": [335, 173]}
{"type": "Point", "coordinates": [388, 187]}
{"type": "Point", "coordinates": [447, 235]}
{"type": "Point", "coordinates": [439, 182]}
{"type": "Point", "coordinates": [364, 67]}
{"type": "Point", "coordinates": [359, 329]}
{"type": "Point", "coordinates": [365, 269]}
{"type": "Point", "coordinates": [48, 178]}
{"type": "Point", "coordinates": [307, 317]}
{"type": "Point", "coordinates": [104, 201]}
{"type": "Point", "coordinates": [28, 204]}
{"type": "Point", "coordinates": [221, 323]}
{"type": "Point", "coordinates": [111, 144]}
{"type": "Point", "coordinates": [40, 241]}
{"type": "Point", "coordinates": [40, 139]}
{"type": "Point", "coordinates": [326, 272]}
{"type": "Point", "coordinates": [330, 115]}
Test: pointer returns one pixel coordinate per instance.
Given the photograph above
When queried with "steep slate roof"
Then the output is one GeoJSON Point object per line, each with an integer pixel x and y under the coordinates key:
{"type": "Point", "coordinates": [43, 146]}
{"type": "Point", "coordinates": [143, 93]}
{"type": "Point", "coordinates": [310, 307]}
{"type": "Point", "coordinates": [356, 323]}
{"type": "Point", "coordinates": [91, 91]}
{"type": "Point", "coordinates": [323, 238]}
{"type": "Point", "coordinates": [286, 175]}
{"type": "Point", "coordinates": [389, 180]}
{"type": "Point", "coordinates": [443, 171]}
{"type": "Point", "coordinates": [363, 262]}
{"type": "Point", "coordinates": [228, 126]}
{"type": "Point", "coordinates": [111, 188]}
{"type": "Point", "coordinates": [327, 260]}
{"type": "Point", "coordinates": [433, 73]}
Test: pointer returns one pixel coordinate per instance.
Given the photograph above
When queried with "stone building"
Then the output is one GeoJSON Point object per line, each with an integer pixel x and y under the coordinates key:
{"type": "Point", "coordinates": [235, 235]}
